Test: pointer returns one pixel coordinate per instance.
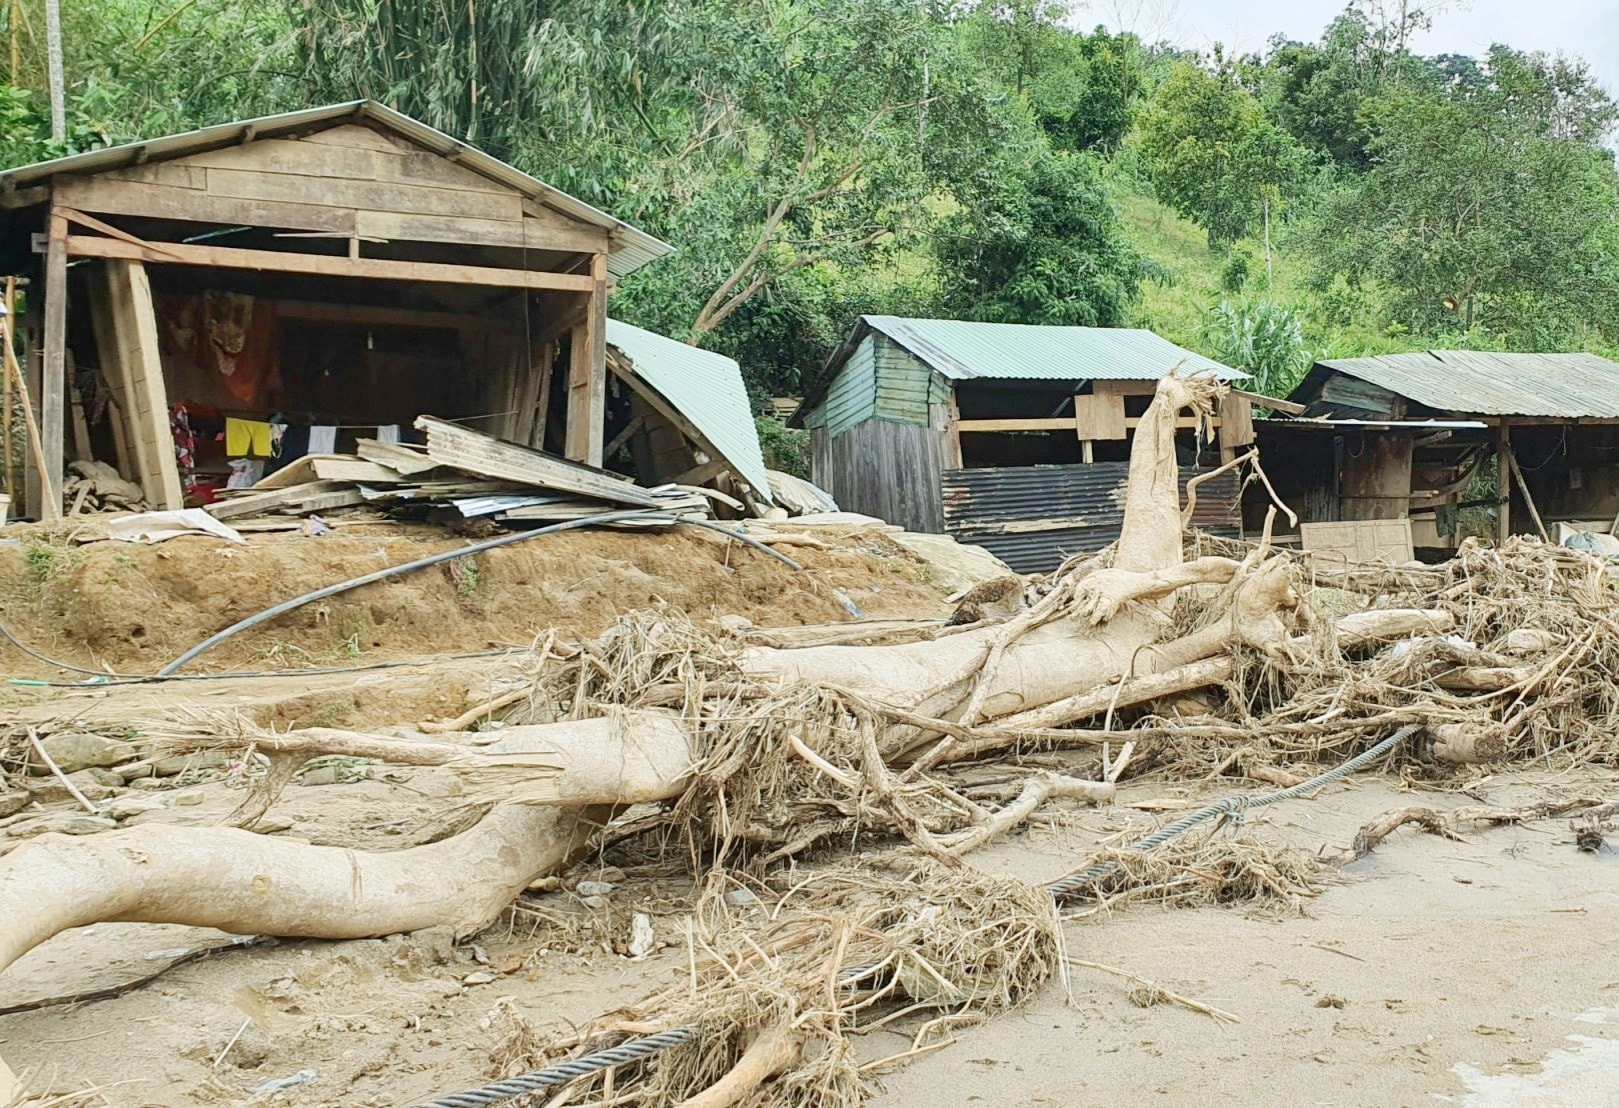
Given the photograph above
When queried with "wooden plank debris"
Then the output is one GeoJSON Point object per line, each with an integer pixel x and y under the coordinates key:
{"type": "Point", "coordinates": [473, 452]}
{"type": "Point", "coordinates": [404, 460]}
{"type": "Point", "coordinates": [267, 500]}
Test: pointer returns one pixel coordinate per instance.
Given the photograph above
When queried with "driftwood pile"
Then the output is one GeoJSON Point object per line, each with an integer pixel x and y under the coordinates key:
{"type": "Point", "coordinates": [1164, 654]}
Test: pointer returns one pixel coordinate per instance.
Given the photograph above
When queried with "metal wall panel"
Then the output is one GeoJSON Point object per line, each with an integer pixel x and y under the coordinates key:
{"type": "Point", "coordinates": [1032, 517]}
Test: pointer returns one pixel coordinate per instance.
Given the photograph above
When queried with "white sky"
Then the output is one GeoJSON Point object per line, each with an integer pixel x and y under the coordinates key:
{"type": "Point", "coordinates": [1587, 28]}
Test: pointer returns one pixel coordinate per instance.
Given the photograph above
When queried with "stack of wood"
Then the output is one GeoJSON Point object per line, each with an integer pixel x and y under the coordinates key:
{"type": "Point", "coordinates": [460, 475]}
{"type": "Point", "coordinates": [96, 487]}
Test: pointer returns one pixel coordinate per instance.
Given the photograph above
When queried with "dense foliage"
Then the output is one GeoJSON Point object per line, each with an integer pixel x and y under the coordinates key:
{"type": "Point", "coordinates": [816, 159]}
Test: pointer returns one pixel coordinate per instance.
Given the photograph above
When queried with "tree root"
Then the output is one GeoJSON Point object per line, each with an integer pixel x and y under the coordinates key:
{"type": "Point", "coordinates": [772, 1050]}
{"type": "Point", "coordinates": [1444, 823]}
{"type": "Point", "coordinates": [253, 884]}
{"type": "Point", "coordinates": [1039, 789]}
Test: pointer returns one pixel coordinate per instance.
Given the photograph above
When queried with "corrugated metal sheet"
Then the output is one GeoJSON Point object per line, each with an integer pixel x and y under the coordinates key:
{"type": "Point", "coordinates": [1374, 424]}
{"type": "Point", "coordinates": [631, 249]}
{"type": "Point", "coordinates": [962, 349]}
{"type": "Point", "coordinates": [706, 388]}
{"type": "Point", "coordinates": [1474, 382]}
{"type": "Point", "coordinates": [1032, 517]}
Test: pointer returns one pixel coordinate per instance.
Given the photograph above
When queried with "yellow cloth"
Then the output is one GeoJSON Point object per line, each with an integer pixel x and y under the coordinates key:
{"type": "Point", "coordinates": [244, 437]}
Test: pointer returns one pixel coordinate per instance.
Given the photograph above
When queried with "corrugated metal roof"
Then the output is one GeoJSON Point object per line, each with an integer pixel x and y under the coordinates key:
{"type": "Point", "coordinates": [1375, 424]}
{"type": "Point", "coordinates": [962, 349]}
{"type": "Point", "coordinates": [1476, 382]}
{"type": "Point", "coordinates": [631, 247]}
{"type": "Point", "coordinates": [706, 388]}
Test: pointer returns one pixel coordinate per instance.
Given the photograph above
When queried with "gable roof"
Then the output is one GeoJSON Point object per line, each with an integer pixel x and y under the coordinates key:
{"type": "Point", "coordinates": [631, 247]}
{"type": "Point", "coordinates": [965, 350]}
{"type": "Point", "coordinates": [1478, 382]}
{"type": "Point", "coordinates": [707, 389]}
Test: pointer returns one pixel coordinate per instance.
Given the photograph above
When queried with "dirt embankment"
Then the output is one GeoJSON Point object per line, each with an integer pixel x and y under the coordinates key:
{"type": "Point", "coordinates": [134, 608]}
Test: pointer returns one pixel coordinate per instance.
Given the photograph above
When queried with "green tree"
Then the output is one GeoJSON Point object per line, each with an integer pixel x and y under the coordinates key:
{"type": "Point", "coordinates": [1211, 153]}
{"type": "Point", "coordinates": [1046, 248]}
{"type": "Point", "coordinates": [135, 69]}
{"type": "Point", "coordinates": [1085, 97]}
{"type": "Point", "coordinates": [1476, 211]}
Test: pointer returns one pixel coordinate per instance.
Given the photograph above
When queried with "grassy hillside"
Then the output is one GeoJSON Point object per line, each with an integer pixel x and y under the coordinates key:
{"type": "Point", "coordinates": [1339, 323]}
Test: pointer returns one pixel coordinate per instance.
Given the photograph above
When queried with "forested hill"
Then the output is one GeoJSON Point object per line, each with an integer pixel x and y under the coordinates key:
{"type": "Point", "coordinates": [816, 159]}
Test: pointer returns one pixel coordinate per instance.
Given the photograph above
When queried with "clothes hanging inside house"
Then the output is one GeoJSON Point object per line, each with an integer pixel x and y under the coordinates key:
{"type": "Point", "coordinates": [247, 438]}
{"type": "Point", "coordinates": [322, 439]}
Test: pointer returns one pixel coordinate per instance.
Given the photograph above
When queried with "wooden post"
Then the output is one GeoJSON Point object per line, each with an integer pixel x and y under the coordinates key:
{"type": "Point", "coordinates": [6, 333]}
{"type": "Point", "coordinates": [587, 373]}
{"type": "Point", "coordinates": [1503, 482]}
{"type": "Point", "coordinates": [53, 389]}
{"type": "Point", "coordinates": [1528, 499]}
{"type": "Point", "coordinates": [955, 431]}
{"type": "Point", "coordinates": [542, 394]}
{"type": "Point", "coordinates": [28, 386]}
{"type": "Point", "coordinates": [37, 496]}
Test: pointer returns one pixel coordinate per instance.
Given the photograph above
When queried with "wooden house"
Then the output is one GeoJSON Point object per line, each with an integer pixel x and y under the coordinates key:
{"type": "Point", "coordinates": [1012, 436]}
{"type": "Point", "coordinates": [343, 269]}
{"type": "Point", "coordinates": [1418, 436]}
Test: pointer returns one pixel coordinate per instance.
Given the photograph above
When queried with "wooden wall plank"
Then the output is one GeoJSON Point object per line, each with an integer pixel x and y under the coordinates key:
{"type": "Point", "coordinates": [114, 197]}
{"type": "Point", "coordinates": [1236, 415]}
{"type": "Point", "coordinates": [1099, 417]}
{"type": "Point", "coordinates": [302, 158]}
{"type": "Point", "coordinates": [1377, 477]}
{"type": "Point", "coordinates": [126, 337]}
{"type": "Point", "coordinates": [175, 174]}
{"type": "Point", "coordinates": [362, 137]}
{"type": "Point", "coordinates": [381, 196]}
{"type": "Point", "coordinates": [527, 233]}
{"type": "Point", "coordinates": [885, 468]}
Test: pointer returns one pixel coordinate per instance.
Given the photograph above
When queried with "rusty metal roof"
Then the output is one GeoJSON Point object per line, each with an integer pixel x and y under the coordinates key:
{"type": "Point", "coordinates": [631, 248]}
{"type": "Point", "coordinates": [1477, 382]}
{"type": "Point", "coordinates": [963, 349]}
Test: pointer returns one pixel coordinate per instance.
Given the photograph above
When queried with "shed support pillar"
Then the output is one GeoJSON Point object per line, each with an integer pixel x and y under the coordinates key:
{"type": "Point", "coordinates": [1503, 482]}
{"type": "Point", "coordinates": [587, 373]}
{"type": "Point", "coordinates": [53, 387]}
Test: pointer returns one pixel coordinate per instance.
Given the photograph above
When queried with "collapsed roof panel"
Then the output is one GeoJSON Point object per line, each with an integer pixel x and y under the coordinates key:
{"type": "Point", "coordinates": [704, 387]}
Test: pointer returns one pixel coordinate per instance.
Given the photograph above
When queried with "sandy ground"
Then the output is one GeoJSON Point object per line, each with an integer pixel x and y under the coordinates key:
{"type": "Point", "coordinates": [1482, 973]}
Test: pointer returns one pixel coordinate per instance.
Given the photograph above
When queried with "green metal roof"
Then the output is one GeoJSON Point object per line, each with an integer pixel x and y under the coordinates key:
{"type": "Point", "coordinates": [706, 388]}
{"type": "Point", "coordinates": [962, 349]}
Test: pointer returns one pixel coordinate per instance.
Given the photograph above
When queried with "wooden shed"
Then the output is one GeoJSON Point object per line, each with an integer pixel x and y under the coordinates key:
{"type": "Point", "coordinates": [1407, 436]}
{"type": "Point", "coordinates": [333, 273]}
{"type": "Point", "coordinates": [1013, 436]}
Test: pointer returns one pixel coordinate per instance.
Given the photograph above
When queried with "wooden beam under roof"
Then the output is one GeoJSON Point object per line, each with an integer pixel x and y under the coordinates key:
{"type": "Point", "coordinates": [324, 265]}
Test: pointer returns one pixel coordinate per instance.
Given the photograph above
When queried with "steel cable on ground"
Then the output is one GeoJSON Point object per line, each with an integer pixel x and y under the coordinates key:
{"type": "Point", "coordinates": [635, 1049]}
